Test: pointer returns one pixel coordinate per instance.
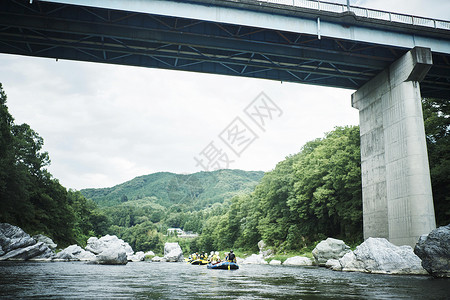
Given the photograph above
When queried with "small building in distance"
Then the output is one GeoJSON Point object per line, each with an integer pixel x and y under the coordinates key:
{"type": "Point", "coordinates": [173, 231]}
{"type": "Point", "coordinates": [180, 233]}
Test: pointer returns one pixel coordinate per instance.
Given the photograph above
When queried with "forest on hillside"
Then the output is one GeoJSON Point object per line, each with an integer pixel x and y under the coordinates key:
{"type": "Point", "coordinates": [197, 190]}
{"type": "Point", "coordinates": [306, 197]}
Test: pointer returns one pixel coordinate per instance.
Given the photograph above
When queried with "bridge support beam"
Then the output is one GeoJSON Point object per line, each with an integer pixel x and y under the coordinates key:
{"type": "Point", "coordinates": [396, 185]}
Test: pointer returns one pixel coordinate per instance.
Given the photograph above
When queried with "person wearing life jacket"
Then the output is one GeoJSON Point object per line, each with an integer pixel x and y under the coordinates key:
{"type": "Point", "coordinates": [215, 259]}
{"type": "Point", "coordinates": [231, 257]}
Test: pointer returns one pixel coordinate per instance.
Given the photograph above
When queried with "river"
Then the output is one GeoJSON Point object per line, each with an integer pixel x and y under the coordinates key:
{"type": "Point", "coordinates": [144, 280]}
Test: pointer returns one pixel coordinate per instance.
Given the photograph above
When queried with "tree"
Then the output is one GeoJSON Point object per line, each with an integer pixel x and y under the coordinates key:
{"type": "Point", "coordinates": [327, 198]}
{"type": "Point", "coordinates": [436, 114]}
{"type": "Point", "coordinates": [14, 180]}
{"type": "Point", "coordinates": [273, 193]}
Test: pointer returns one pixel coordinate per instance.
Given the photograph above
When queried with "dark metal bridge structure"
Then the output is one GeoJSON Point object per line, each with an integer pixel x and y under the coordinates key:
{"type": "Point", "coordinates": [309, 42]}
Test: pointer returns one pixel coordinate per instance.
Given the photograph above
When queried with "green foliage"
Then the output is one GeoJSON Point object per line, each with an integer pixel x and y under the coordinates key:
{"type": "Point", "coordinates": [141, 237]}
{"type": "Point", "coordinates": [196, 190]}
{"type": "Point", "coordinates": [189, 202]}
{"type": "Point", "coordinates": [436, 114]}
{"type": "Point", "coordinates": [327, 198]}
{"type": "Point", "coordinates": [308, 196]}
{"type": "Point", "coordinates": [89, 220]}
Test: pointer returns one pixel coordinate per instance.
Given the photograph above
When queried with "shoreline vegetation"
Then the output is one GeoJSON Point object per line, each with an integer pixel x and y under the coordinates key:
{"type": "Point", "coordinates": [309, 196]}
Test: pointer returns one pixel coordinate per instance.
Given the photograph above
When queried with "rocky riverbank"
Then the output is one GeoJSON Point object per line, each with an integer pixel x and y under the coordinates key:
{"type": "Point", "coordinates": [374, 255]}
{"type": "Point", "coordinates": [16, 244]}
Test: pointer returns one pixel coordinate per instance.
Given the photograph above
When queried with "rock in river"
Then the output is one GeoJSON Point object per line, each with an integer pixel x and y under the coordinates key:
{"type": "Point", "coordinates": [46, 240]}
{"type": "Point", "coordinates": [275, 262]}
{"type": "Point", "coordinates": [112, 256]}
{"type": "Point", "coordinates": [333, 264]}
{"type": "Point", "coordinates": [13, 237]}
{"type": "Point", "coordinates": [158, 259]}
{"type": "Point", "coordinates": [138, 256]}
{"type": "Point", "coordinates": [378, 255]}
{"type": "Point", "coordinates": [98, 245]}
{"type": "Point", "coordinates": [173, 252]}
{"type": "Point", "coordinates": [329, 249]}
{"type": "Point", "coordinates": [298, 261]}
{"type": "Point", "coordinates": [16, 244]}
{"type": "Point", "coordinates": [38, 251]}
{"type": "Point", "coordinates": [74, 253]}
{"type": "Point", "coordinates": [254, 259]}
{"type": "Point", "coordinates": [434, 250]}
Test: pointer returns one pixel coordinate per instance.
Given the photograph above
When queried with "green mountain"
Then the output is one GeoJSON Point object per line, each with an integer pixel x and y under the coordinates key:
{"type": "Point", "coordinates": [197, 190]}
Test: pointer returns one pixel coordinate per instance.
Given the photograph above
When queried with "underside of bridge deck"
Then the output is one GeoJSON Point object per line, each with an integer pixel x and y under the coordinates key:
{"type": "Point", "coordinates": [62, 31]}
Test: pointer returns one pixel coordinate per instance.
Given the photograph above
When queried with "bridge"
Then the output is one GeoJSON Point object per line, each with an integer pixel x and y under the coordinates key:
{"type": "Point", "coordinates": [381, 55]}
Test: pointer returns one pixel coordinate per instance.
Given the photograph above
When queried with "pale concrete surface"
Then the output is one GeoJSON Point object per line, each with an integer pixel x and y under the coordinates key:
{"type": "Point", "coordinates": [397, 196]}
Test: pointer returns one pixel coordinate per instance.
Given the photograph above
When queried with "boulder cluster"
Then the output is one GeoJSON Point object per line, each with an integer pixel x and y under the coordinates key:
{"type": "Point", "coordinates": [431, 255]}
{"type": "Point", "coordinates": [267, 253]}
{"type": "Point", "coordinates": [16, 244]}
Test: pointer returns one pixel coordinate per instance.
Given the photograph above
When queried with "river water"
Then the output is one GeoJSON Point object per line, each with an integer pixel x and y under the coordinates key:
{"type": "Point", "coordinates": [145, 280]}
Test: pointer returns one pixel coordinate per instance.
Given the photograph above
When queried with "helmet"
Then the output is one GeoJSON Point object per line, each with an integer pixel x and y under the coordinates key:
{"type": "Point", "coordinates": [231, 251]}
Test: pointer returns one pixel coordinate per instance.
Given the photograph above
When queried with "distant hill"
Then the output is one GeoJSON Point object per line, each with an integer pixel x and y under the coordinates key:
{"type": "Point", "coordinates": [198, 189]}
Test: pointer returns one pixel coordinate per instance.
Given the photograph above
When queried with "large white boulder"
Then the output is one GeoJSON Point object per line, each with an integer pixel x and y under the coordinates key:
{"type": "Point", "coordinates": [112, 256]}
{"type": "Point", "coordinates": [98, 245]}
{"type": "Point", "coordinates": [74, 253]}
{"type": "Point", "coordinates": [378, 255]}
{"type": "Point", "coordinates": [329, 249]}
{"type": "Point", "coordinates": [298, 261]}
{"type": "Point", "coordinates": [173, 252]}
{"type": "Point", "coordinates": [254, 259]}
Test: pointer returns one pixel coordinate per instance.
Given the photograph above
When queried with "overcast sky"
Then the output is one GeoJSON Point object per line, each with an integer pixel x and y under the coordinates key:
{"type": "Point", "coordinates": [106, 124]}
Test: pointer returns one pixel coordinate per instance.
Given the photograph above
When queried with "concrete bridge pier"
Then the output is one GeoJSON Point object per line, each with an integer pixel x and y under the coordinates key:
{"type": "Point", "coordinates": [396, 185]}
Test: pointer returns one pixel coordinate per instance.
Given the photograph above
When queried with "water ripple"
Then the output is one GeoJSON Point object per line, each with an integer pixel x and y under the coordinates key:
{"type": "Point", "coordinates": [77, 280]}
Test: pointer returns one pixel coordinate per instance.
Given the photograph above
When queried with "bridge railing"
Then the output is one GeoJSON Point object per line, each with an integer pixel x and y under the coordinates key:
{"type": "Point", "coordinates": [365, 12]}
